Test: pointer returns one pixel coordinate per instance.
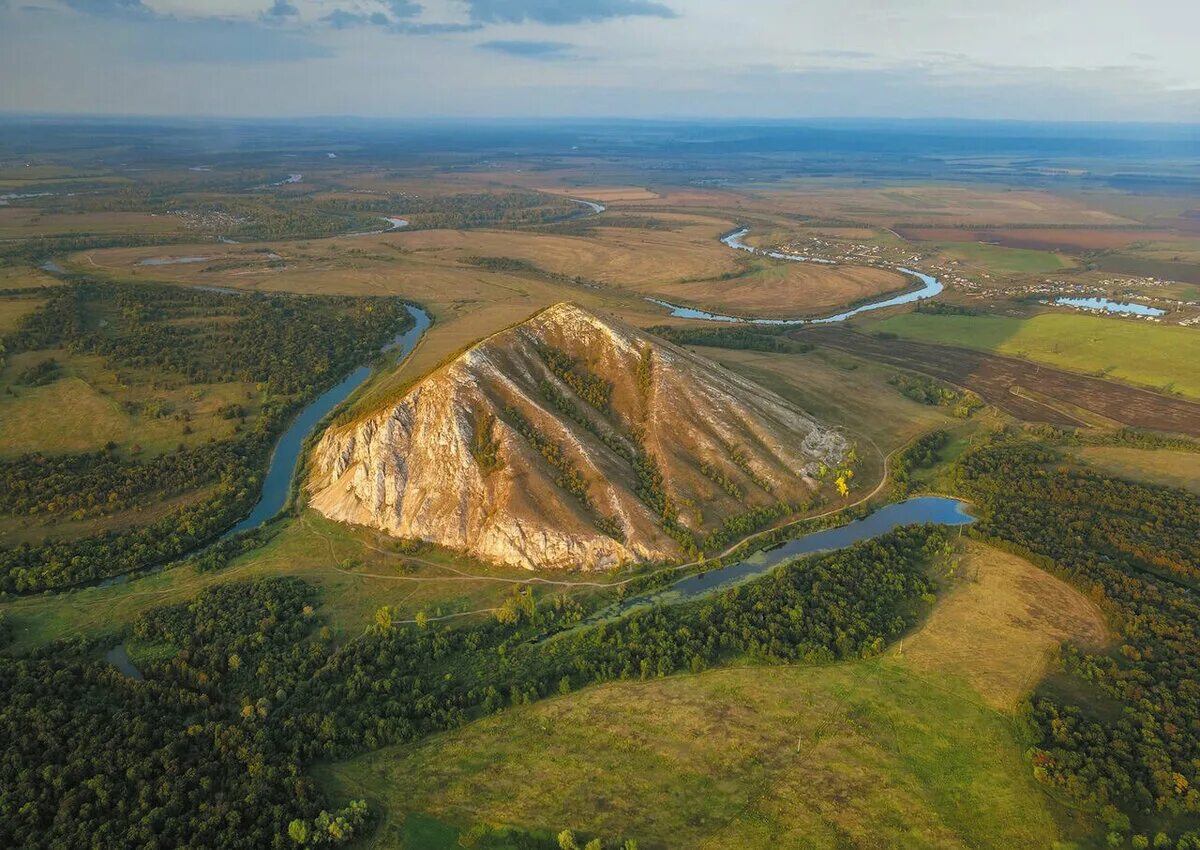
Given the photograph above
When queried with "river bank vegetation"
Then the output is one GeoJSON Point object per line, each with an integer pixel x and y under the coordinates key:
{"type": "Point", "coordinates": [174, 344]}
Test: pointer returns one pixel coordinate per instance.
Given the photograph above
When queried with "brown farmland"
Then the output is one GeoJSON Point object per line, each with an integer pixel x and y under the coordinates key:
{"type": "Point", "coordinates": [1069, 240]}
{"type": "Point", "coordinates": [1029, 391]}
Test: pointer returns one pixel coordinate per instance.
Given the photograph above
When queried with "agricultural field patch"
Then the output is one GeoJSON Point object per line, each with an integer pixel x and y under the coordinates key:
{"type": "Point", "coordinates": [1135, 264]}
{"type": "Point", "coordinates": [1062, 239]}
{"type": "Point", "coordinates": [1001, 260]}
{"type": "Point", "coordinates": [949, 206]}
{"type": "Point", "coordinates": [839, 389]}
{"type": "Point", "coordinates": [1034, 393]}
{"type": "Point", "coordinates": [1138, 352]}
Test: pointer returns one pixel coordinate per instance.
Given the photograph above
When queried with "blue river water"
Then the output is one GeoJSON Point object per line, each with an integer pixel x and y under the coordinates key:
{"type": "Point", "coordinates": [931, 286]}
{"type": "Point", "coordinates": [278, 482]}
{"type": "Point", "coordinates": [933, 509]}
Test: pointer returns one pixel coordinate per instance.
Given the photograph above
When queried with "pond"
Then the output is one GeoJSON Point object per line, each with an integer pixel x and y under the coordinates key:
{"type": "Point", "coordinates": [934, 509]}
{"type": "Point", "coordinates": [119, 658]}
{"type": "Point", "coordinates": [1104, 305]}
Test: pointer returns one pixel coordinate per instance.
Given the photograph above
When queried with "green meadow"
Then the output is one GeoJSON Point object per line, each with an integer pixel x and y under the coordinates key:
{"type": "Point", "coordinates": [1138, 352]}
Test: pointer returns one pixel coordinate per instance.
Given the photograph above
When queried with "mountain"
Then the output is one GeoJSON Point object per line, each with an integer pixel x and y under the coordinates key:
{"type": "Point", "coordinates": [573, 440]}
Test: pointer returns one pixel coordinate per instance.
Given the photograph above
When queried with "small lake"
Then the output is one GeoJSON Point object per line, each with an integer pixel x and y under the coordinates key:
{"type": "Point", "coordinates": [930, 286]}
{"type": "Point", "coordinates": [395, 224]}
{"type": "Point", "coordinates": [1104, 305]}
{"type": "Point", "coordinates": [592, 205]}
{"type": "Point", "coordinates": [119, 658]}
{"type": "Point", "coordinates": [935, 509]}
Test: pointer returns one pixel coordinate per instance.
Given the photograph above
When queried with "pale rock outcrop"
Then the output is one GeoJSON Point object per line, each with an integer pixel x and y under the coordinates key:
{"type": "Point", "coordinates": [416, 469]}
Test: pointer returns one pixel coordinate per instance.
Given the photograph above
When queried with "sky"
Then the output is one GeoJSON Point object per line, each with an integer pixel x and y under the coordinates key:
{"type": "Point", "coordinates": [1087, 60]}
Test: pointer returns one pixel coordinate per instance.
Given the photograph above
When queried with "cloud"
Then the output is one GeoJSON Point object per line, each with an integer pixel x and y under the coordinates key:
{"type": "Point", "coordinates": [543, 50]}
{"type": "Point", "coordinates": [341, 19]}
{"type": "Point", "coordinates": [171, 41]}
{"type": "Point", "coordinates": [111, 8]}
{"type": "Point", "coordinates": [558, 12]}
{"type": "Point", "coordinates": [281, 9]}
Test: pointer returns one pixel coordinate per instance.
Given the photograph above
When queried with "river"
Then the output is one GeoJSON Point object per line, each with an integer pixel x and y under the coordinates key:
{"type": "Point", "coordinates": [930, 287]}
{"type": "Point", "coordinates": [935, 509]}
{"type": "Point", "coordinates": [286, 455]}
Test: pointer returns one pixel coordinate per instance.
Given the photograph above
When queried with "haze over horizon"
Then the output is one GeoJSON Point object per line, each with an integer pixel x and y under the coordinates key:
{"type": "Point", "coordinates": [1017, 59]}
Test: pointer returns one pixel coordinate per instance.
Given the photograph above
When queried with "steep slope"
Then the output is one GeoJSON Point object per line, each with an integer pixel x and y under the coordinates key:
{"type": "Point", "coordinates": [573, 441]}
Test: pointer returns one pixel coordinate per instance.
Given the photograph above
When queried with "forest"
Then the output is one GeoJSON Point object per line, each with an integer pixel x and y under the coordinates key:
{"type": "Point", "coordinates": [290, 347]}
{"type": "Point", "coordinates": [1125, 738]}
{"type": "Point", "coordinates": [243, 689]}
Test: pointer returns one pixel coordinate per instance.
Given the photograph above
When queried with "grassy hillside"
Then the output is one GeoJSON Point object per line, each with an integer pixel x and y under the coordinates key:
{"type": "Point", "coordinates": [1171, 468]}
{"type": "Point", "coordinates": [1137, 352]}
{"type": "Point", "coordinates": [914, 749]}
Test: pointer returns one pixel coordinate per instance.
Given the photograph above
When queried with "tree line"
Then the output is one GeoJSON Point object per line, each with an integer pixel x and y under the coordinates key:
{"type": "Point", "coordinates": [291, 347]}
{"type": "Point", "coordinates": [244, 689]}
{"type": "Point", "coordinates": [1126, 740]}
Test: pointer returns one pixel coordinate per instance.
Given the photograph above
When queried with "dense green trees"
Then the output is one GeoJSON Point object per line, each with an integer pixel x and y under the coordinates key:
{"type": "Point", "coordinates": [925, 390]}
{"type": "Point", "coordinates": [464, 210]}
{"type": "Point", "coordinates": [1127, 738]}
{"type": "Point", "coordinates": [752, 337]}
{"type": "Point", "coordinates": [244, 688]}
{"type": "Point", "coordinates": [921, 453]}
{"type": "Point", "coordinates": [587, 385]}
{"type": "Point", "coordinates": [94, 759]}
{"type": "Point", "coordinates": [291, 347]}
{"type": "Point", "coordinates": [403, 683]}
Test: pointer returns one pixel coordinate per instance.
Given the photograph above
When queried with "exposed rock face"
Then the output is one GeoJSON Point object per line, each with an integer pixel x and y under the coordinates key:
{"type": "Point", "coordinates": [526, 449]}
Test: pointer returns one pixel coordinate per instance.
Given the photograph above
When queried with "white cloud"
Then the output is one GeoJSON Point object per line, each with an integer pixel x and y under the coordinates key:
{"type": "Point", "coordinates": [1085, 59]}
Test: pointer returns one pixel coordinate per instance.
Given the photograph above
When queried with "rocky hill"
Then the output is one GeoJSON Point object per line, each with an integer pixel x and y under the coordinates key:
{"type": "Point", "coordinates": [574, 441]}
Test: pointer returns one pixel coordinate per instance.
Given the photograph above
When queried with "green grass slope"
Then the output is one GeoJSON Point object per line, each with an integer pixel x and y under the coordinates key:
{"type": "Point", "coordinates": [856, 755]}
{"type": "Point", "coordinates": [1137, 352]}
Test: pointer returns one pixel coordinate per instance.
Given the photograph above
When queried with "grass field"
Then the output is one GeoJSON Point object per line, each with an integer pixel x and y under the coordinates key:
{"type": "Point", "coordinates": [13, 310]}
{"type": "Point", "coordinates": [84, 408]}
{"type": "Point", "coordinates": [1155, 356]}
{"type": "Point", "coordinates": [31, 222]}
{"type": "Point", "coordinates": [901, 751]}
{"type": "Point", "coordinates": [780, 289]}
{"type": "Point", "coordinates": [1000, 260]}
{"type": "Point", "coordinates": [1157, 466]}
{"type": "Point", "coordinates": [357, 571]}
{"type": "Point", "coordinates": [897, 204]}
{"type": "Point", "coordinates": [1063, 239]}
{"type": "Point", "coordinates": [999, 626]}
{"type": "Point", "coordinates": [839, 389]}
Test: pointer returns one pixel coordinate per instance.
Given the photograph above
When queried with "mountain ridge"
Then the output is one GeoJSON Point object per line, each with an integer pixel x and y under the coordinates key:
{"type": "Point", "coordinates": [573, 441]}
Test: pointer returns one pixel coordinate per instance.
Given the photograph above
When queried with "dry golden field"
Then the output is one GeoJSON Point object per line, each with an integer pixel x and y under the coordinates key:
{"type": "Point", "coordinates": [999, 626]}
{"type": "Point", "coordinates": [940, 205]}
